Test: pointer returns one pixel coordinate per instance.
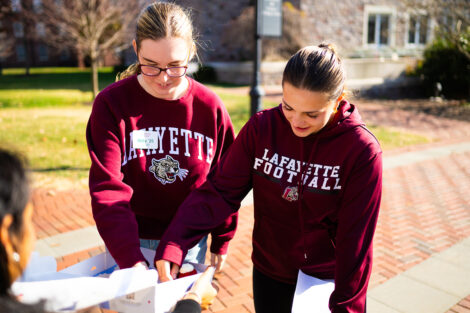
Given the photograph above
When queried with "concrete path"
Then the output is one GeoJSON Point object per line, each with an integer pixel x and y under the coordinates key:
{"type": "Point", "coordinates": [432, 286]}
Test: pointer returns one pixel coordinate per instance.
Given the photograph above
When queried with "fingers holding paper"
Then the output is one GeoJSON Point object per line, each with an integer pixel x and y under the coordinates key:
{"type": "Point", "coordinates": [218, 261]}
{"type": "Point", "coordinates": [166, 270]}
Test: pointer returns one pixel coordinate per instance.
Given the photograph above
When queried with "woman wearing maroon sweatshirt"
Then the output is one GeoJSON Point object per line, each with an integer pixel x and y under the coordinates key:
{"type": "Point", "coordinates": [316, 174]}
{"type": "Point", "coordinates": [153, 137]}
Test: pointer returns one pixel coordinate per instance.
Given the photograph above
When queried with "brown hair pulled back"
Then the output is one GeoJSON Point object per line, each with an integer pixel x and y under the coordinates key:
{"type": "Point", "coordinates": [161, 20]}
{"type": "Point", "coordinates": [318, 69]}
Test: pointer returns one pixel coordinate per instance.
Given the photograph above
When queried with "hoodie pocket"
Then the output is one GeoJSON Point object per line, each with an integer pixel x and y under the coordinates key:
{"type": "Point", "coordinates": [277, 248]}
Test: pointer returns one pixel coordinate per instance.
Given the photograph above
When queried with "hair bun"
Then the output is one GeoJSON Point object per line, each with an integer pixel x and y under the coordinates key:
{"type": "Point", "coordinates": [328, 46]}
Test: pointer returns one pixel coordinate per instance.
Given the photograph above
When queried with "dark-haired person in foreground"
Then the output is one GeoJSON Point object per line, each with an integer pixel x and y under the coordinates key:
{"type": "Point", "coordinates": [17, 234]}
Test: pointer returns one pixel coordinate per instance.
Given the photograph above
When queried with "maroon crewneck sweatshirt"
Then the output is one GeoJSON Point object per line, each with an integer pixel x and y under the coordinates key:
{"type": "Point", "coordinates": [135, 189]}
{"type": "Point", "coordinates": [322, 223]}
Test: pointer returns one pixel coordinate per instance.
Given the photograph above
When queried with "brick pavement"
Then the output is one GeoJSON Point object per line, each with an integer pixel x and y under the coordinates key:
{"type": "Point", "coordinates": [425, 210]}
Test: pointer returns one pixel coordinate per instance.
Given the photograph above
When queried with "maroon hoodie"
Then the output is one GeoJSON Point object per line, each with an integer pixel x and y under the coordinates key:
{"type": "Point", "coordinates": [136, 192]}
{"type": "Point", "coordinates": [323, 226]}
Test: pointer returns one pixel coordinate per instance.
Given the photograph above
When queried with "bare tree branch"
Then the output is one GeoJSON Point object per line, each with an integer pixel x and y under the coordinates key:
{"type": "Point", "coordinates": [451, 18]}
{"type": "Point", "coordinates": [6, 43]}
{"type": "Point", "coordinates": [93, 28]}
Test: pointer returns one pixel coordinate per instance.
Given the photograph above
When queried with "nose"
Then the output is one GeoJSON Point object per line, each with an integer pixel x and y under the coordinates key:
{"type": "Point", "coordinates": [298, 120]}
{"type": "Point", "coordinates": [163, 77]}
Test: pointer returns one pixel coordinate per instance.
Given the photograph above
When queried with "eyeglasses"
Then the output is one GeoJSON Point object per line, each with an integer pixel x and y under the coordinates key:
{"type": "Point", "coordinates": [151, 70]}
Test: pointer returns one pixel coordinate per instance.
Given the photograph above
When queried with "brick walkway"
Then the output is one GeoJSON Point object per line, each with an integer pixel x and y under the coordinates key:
{"type": "Point", "coordinates": [425, 210]}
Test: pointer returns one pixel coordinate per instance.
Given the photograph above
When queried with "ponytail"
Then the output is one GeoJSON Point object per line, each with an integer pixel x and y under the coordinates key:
{"type": "Point", "coordinates": [131, 70]}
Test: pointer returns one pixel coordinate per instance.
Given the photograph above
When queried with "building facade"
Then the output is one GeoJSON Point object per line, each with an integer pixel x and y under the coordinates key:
{"type": "Point", "coordinates": [368, 28]}
{"type": "Point", "coordinates": [359, 28]}
{"type": "Point", "coordinates": [27, 47]}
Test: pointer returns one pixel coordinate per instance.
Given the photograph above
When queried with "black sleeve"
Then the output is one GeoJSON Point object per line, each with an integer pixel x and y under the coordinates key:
{"type": "Point", "coordinates": [187, 306]}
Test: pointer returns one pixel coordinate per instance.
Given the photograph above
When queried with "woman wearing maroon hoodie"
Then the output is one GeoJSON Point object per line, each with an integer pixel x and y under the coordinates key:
{"type": "Point", "coordinates": [316, 174]}
{"type": "Point", "coordinates": [153, 137]}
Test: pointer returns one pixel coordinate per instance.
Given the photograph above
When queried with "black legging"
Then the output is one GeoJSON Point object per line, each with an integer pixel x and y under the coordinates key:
{"type": "Point", "coordinates": [271, 296]}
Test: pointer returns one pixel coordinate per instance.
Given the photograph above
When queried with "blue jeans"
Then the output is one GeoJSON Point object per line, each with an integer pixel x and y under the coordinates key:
{"type": "Point", "coordinates": [196, 254]}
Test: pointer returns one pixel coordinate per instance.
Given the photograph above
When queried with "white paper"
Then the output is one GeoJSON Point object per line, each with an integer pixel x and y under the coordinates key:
{"type": "Point", "coordinates": [158, 299]}
{"type": "Point", "coordinates": [38, 267]}
{"type": "Point", "coordinates": [82, 292]}
{"type": "Point", "coordinates": [98, 280]}
{"type": "Point", "coordinates": [312, 294]}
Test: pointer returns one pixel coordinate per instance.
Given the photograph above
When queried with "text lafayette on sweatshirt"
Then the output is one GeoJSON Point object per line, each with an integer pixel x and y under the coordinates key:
{"type": "Point", "coordinates": [323, 226]}
{"type": "Point", "coordinates": [135, 192]}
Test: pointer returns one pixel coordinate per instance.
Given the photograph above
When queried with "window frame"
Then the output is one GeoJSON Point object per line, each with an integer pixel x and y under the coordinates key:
{"type": "Point", "coordinates": [20, 57]}
{"type": "Point", "coordinates": [16, 5]}
{"type": "Point", "coordinates": [379, 10]}
{"type": "Point", "coordinates": [429, 27]}
{"type": "Point", "coordinates": [42, 52]}
{"type": "Point", "coordinates": [40, 29]}
{"type": "Point", "coordinates": [37, 6]}
{"type": "Point", "coordinates": [18, 32]}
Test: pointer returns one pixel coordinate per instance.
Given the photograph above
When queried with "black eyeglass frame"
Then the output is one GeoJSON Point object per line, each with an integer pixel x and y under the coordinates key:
{"type": "Point", "coordinates": [163, 70]}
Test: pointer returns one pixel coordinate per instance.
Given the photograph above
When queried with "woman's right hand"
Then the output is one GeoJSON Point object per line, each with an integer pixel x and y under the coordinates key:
{"type": "Point", "coordinates": [166, 270]}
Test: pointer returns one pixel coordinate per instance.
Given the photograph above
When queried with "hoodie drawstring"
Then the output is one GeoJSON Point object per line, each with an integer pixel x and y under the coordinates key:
{"type": "Point", "coordinates": [300, 188]}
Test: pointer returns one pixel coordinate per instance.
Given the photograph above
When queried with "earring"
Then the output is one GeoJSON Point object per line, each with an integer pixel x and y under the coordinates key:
{"type": "Point", "coordinates": [16, 257]}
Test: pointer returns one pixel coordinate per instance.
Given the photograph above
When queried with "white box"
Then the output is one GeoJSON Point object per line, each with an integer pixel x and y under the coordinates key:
{"type": "Point", "coordinates": [98, 281]}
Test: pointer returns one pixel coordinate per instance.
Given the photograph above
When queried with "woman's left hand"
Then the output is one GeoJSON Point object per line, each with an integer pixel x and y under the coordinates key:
{"type": "Point", "coordinates": [202, 290]}
{"type": "Point", "coordinates": [218, 261]}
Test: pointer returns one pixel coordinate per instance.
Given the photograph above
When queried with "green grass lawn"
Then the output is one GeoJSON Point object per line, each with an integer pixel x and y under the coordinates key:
{"type": "Point", "coordinates": [44, 116]}
{"type": "Point", "coordinates": [46, 87]}
{"type": "Point", "coordinates": [53, 139]}
{"type": "Point", "coordinates": [238, 107]}
{"type": "Point", "coordinates": [391, 139]}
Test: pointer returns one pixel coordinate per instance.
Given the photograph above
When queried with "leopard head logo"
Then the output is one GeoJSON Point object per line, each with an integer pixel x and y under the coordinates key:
{"type": "Point", "coordinates": [291, 194]}
{"type": "Point", "coordinates": [167, 169]}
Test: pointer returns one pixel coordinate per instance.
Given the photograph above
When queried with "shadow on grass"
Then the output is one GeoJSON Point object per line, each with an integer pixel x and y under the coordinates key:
{"type": "Point", "coordinates": [455, 111]}
{"type": "Point", "coordinates": [77, 80]}
{"type": "Point", "coordinates": [59, 168]}
{"type": "Point", "coordinates": [450, 109]}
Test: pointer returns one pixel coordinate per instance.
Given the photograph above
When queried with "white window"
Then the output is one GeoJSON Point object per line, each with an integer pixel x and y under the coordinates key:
{"type": "Point", "coordinates": [18, 30]}
{"type": "Point", "coordinates": [37, 5]}
{"type": "Point", "coordinates": [16, 5]}
{"type": "Point", "coordinates": [379, 26]}
{"type": "Point", "coordinates": [43, 52]}
{"type": "Point", "coordinates": [40, 30]}
{"type": "Point", "coordinates": [418, 29]}
{"type": "Point", "coordinates": [20, 53]}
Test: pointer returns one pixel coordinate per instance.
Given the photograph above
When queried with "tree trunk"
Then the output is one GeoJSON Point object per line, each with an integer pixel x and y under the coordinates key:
{"type": "Point", "coordinates": [80, 59]}
{"type": "Point", "coordinates": [28, 56]}
{"type": "Point", "coordinates": [94, 76]}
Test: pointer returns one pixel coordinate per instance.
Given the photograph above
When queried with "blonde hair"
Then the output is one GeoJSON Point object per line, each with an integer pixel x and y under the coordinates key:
{"type": "Point", "coordinates": [316, 68]}
{"type": "Point", "coordinates": [162, 20]}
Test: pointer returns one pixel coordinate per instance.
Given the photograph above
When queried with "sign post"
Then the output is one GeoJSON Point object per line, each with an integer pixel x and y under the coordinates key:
{"type": "Point", "coordinates": [268, 22]}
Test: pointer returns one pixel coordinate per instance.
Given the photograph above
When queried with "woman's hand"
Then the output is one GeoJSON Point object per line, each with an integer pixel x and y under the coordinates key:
{"type": "Point", "coordinates": [218, 261]}
{"type": "Point", "coordinates": [202, 290]}
{"type": "Point", "coordinates": [166, 270]}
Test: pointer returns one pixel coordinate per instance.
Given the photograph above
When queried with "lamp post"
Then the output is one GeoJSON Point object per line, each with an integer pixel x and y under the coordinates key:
{"type": "Point", "coordinates": [256, 91]}
{"type": "Point", "coordinates": [268, 22]}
